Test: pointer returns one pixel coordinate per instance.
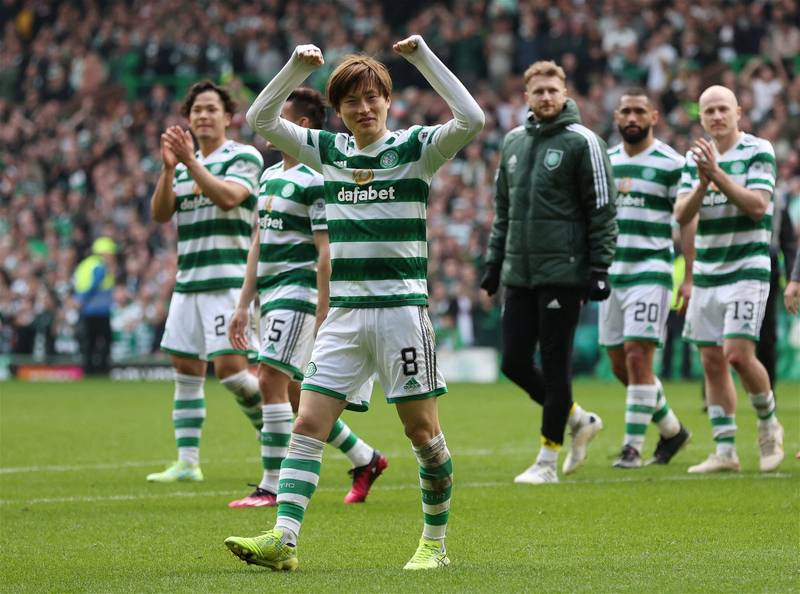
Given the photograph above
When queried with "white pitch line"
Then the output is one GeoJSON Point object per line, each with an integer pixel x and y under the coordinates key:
{"type": "Point", "coordinates": [158, 463]}
{"type": "Point", "coordinates": [408, 487]}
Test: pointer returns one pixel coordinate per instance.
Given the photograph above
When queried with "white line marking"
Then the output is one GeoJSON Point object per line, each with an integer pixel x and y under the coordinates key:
{"type": "Point", "coordinates": [408, 487]}
{"type": "Point", "coordinates": [160, 463]}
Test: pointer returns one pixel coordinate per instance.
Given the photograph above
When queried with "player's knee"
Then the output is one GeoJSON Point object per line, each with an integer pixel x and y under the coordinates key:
{"type": "Point", "coordinates": [714, 363]}
{"type": "Point", "coordinates": [738, 358]}
{"type": "Point", "coordinates": [310, 427]}
{"type": "Point", "coordinates": [223, 369]}
{"type": "Point", "coordinates": [420, 431]}
{"type": "Point", "coordinates": [636, 361]}
{"type": "Point", "coordinates": [272, 385]}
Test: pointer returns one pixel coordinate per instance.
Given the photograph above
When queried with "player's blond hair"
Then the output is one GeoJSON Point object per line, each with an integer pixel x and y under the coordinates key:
{"type": "Point", "coordinates": [356, 73]}
{"type": "Point", "coordinates": [545, 68]}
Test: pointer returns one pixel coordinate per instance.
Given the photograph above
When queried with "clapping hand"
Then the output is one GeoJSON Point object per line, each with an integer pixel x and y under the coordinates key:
{"type": "Point", "coordinates": [180, 143]}
{"type": "Point", "coordinates": [706, 159]}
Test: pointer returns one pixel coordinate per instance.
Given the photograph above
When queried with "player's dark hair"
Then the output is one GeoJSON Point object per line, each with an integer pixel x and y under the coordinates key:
{"type": "Point", "coordinates": [308, 103]}
{"type": "Point", "coordinates": [201, 87]}
{"type": "Point", "coordinates": [638, 92]}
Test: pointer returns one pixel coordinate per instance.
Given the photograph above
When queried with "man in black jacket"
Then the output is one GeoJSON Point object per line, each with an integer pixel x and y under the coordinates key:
{"type": "Point", "coordinates": [552, 242]}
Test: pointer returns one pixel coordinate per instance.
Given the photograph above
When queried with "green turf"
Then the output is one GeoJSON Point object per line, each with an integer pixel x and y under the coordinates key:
{"type": "Point", "coordinates": [77, 515]}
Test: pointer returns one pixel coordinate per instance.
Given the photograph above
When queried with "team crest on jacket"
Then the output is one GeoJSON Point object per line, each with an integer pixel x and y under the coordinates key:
{"type": "Point", "coordinates": [512, 163]}
{"type": "Point", "coordinates": [363, 176]}
{"type": "Point", "coordinates": [552, 159]}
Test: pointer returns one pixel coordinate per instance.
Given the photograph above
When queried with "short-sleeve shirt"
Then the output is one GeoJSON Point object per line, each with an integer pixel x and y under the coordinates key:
{"type": "Point", "coordinates": [291, 206]}
{"type": "Point", "coordinates": [213, 243]}
{"type": "Point", "coordinates": [730, 246]}
{"type": "Point", "coordinates": [647, 184]}
{"type": "Point", "coordinates": [376, 205]}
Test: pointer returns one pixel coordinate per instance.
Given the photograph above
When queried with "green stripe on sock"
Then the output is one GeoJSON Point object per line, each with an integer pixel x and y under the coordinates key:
{"type": "Point", "coordinates": [435, 497]}
{"type": "Point", "coordinates": [338, 426]}
{"type": "Point", "coordinates": [435, 472]}
{"type": "Point", "coordinates": [438, 519]}
{"type": "Point", "coordinates": [190, 423]}
{"type": "Point", "coordinates": [661, 413]}
{"type": "Point", "coordinates": [635, 429]}
{"type": "Point", "coordinates": [306, 465]}
{"type": "Point", "coordinates": [722, 421]}
{"type": "Point", "coordinates": [278, 440]}
{"type": "Point", "coordinates": [296, 487]}
{"type": "Point", "coordinates": [348, 443]}
{"type": "Point", "coordinates": [639, 408]}
{"type": "Point", "coordinates": [271, 463]}
{"type": "Point", "coordinates": [184, 404]}
{"type": "Point", "coordinates": [187, 442]}
{"type": "Point", "coordinates": [725, 439]}
{"type": "Point", "coordinates": [291, 510]}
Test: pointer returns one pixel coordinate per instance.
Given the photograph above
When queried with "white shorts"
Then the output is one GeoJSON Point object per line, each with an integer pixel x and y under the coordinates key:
{"type": "Point", "coordinates": [197, 325]}
{"type": "Point", "coordinates": [287, 338]}
{"type": "Point", "coordinates": [396, 343]}
{"type": "Point", "coordinates": [637, 313]}
{"type": "Point", "coordinates": [729, 311]}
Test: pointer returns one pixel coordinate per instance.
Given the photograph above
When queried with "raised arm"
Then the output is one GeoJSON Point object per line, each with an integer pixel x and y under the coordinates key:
{"type": "Point", "coordinates": [468, 117]}
{"type": "Point", "coordinates": [264, 115]}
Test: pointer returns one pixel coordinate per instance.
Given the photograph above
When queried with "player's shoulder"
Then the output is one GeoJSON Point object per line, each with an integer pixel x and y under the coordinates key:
{"type": "Point", "coordinates": [271, 171]}
{"type": "Point", "coordinates": [308, 177]}
{"type": "Point", "coordinates": [671, 158]}
{"type": "Point", "coordinates": [234, 149]}
{"type": "Point", "coordinates": [755, 144]}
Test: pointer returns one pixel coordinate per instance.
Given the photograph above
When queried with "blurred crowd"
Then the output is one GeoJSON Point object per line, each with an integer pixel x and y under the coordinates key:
{"type": "Point", "coordinates": [86, 87]}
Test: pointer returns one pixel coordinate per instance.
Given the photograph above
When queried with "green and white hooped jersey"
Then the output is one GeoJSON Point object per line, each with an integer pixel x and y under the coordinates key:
{"type": "Point", "coordinates": [291, 206]}
{"type": "Point", "coordinates": [730, 246]}
{"type": "Point", "coordinates": [647, 185]}
{"type": "Point", "coordinates": [213, 243]}
{"type": "Point", "coordinates": [376, 205]}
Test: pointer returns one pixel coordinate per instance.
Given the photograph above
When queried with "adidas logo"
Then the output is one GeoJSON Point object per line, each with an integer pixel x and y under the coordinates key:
{"type": "Point", "coordinates": [411, 384]}
{"type": "Point", "coordinates": [747, 326]}
{"type": "Point", "coordinates": [271, 349]}
{"type": "Point", "coordinates": [554, 304]}
{"type": "Point", "coordinates": [650, 329]}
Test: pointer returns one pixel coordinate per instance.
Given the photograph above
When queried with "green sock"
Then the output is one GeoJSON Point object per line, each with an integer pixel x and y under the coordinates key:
{"type": "Point", "coordinates": [244, 386]}
{"type": "Point", "coordinates": [723, 429]}
{"type": "Point", "coordinates": [297, 483]}
{"type": "Point", "coordinates": [188, 414]}
{"type": "Point", "coordinates": [436, 483]}
{"type": "Point", "coordinates": [275, 434]}
{"type": "Point", "coordinates": [356, 450]}
{"type": "Point", "coordinates": [640, 402]}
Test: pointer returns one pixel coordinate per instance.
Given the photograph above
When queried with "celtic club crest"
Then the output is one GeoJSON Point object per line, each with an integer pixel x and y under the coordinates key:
{"type": "Point", "coordinates": [389, 159]}
{"type": "Point", "coordinates": [552, 159]}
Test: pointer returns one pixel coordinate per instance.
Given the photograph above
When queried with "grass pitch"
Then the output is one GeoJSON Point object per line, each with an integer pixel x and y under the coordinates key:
{"type": "Point", "coordinates": [76, 514]}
